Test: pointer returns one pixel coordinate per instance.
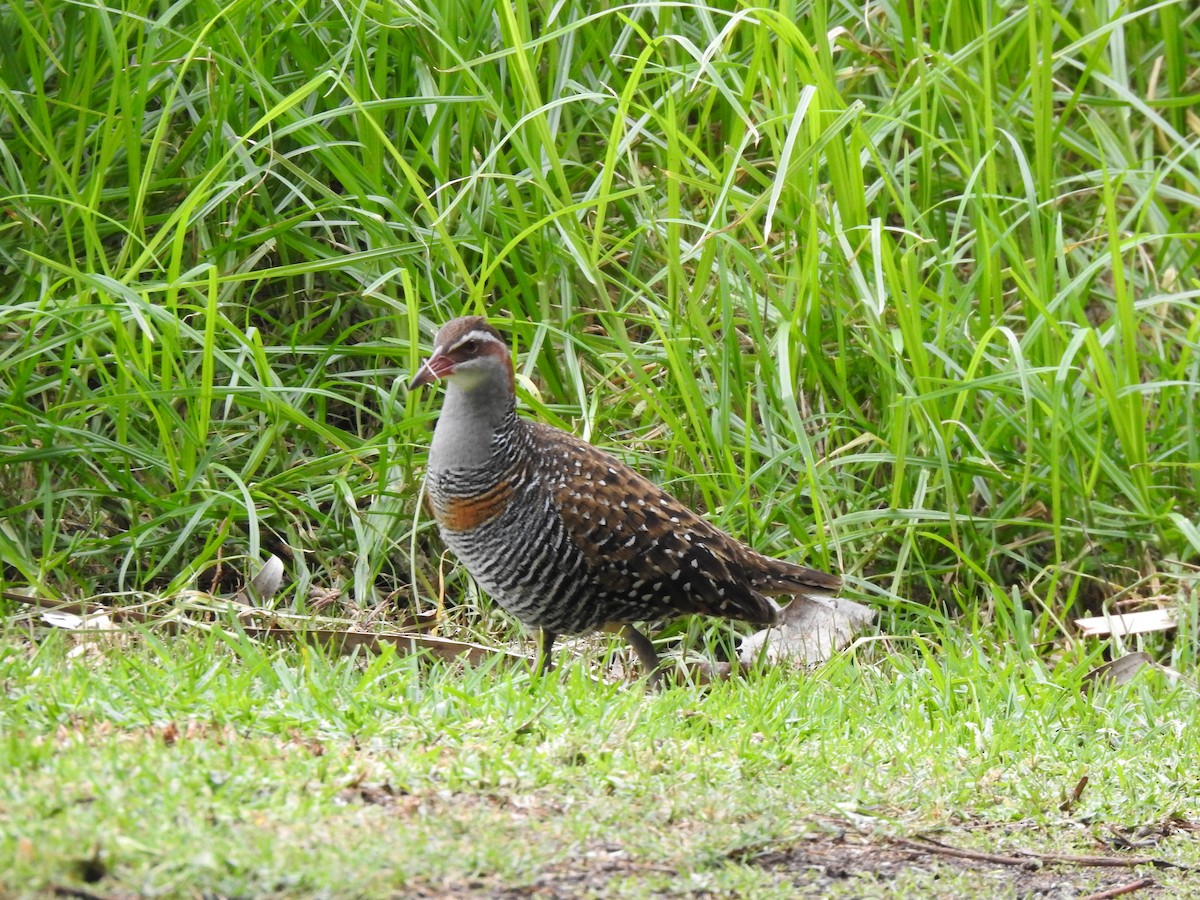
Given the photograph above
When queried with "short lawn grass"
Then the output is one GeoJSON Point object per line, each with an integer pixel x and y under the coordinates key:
{"type": "Point", "coordinates": [202, 765]}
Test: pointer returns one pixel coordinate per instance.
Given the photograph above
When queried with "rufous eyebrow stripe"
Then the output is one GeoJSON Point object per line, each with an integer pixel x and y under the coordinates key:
{"type": "Point", "coordinates": [468, 513]}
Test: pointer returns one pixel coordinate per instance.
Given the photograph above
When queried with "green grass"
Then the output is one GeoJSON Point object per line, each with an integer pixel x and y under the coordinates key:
{"type": "Point", "coordinates": [219, 767]}
{"type": "Point", "coordinates": [922, 300]}
{"type": "Point", "coordinates": [908, 291]}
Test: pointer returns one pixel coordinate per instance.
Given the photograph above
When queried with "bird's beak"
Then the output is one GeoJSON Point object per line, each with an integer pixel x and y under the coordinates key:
{"type": "Point", "coordinates": [433, 369]}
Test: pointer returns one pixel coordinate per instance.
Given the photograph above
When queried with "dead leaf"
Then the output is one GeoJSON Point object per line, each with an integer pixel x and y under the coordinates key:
{"type": "Point", "coordinates": [1123, 670]}
{"type": "Point", "coordinates": [66, 620]}
{"type": "Point", "coordinates": [1120, 670]}
{"type": "Point", "coordinates": [95, 621]}
{"type": "Point", "coordinates": [265, 584]}
{"type": "Point", "coordinates": [1127, 623]}
{"type": "Point", "coordinates": [811, 631]}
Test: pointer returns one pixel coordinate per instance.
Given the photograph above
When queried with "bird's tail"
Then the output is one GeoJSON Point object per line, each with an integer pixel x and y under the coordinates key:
{"type": "Point", "coordinates": [776, 576]}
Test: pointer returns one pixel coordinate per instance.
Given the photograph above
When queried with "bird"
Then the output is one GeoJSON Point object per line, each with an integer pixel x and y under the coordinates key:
{"type": "Point", "coordinates": [566, 537]}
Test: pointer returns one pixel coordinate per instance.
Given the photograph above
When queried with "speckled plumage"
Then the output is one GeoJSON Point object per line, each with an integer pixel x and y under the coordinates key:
{"type": "Point", "coordinates": [566, 537]}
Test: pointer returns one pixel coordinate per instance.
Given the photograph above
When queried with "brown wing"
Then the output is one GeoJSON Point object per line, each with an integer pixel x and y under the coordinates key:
{"type": "Point", "coordinates": [641, 543]}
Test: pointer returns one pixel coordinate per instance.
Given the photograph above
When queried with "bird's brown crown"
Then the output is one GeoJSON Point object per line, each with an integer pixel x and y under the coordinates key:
{"type": "Point", "coordinates": [458, 334]}
{"type": "Point", "coordinates": [468, 345]}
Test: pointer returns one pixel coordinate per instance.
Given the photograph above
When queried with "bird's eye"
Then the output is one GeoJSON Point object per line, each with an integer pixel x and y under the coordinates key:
{"type": "Point", "coordinates": [470, 348]}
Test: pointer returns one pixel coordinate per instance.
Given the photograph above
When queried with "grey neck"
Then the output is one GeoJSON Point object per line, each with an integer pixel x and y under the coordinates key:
{"type": "Point", "coordinates": [467, 426]}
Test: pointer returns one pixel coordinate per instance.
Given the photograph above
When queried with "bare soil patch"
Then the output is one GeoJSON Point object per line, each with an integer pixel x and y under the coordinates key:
{"type": "Point", "coordinates": [818, 866]}
{"type": "Point", "coordinates": [853, 865]}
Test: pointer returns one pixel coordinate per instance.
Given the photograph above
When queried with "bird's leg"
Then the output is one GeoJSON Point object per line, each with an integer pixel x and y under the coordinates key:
{"type": "Point", "coordinates": [645, 652]}
{"type": "Point", "coordinates": [696, 673]}
{"type": "Point", "coordinates": [546, 640]}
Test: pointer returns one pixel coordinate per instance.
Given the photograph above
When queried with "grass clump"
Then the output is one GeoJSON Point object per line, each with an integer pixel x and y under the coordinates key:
{"type": "Point", "coordinates": [915, 291]}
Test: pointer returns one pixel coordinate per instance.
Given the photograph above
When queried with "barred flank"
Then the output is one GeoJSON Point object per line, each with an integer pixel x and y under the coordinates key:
{"type": "Point", "coordinates": [567, 538]}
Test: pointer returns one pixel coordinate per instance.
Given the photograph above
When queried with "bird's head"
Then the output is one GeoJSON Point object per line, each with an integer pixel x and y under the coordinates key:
{"type": "Point", "coordinates": [469, 353]}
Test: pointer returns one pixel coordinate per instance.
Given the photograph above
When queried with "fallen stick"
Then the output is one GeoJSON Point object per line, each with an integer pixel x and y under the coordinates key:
{"type": "Point", "coordinates": [1121, 889]}
{"type": "Point", "coordinates": [978, 855]}
{"type": "Point", "coordinates": [1028, 857]}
